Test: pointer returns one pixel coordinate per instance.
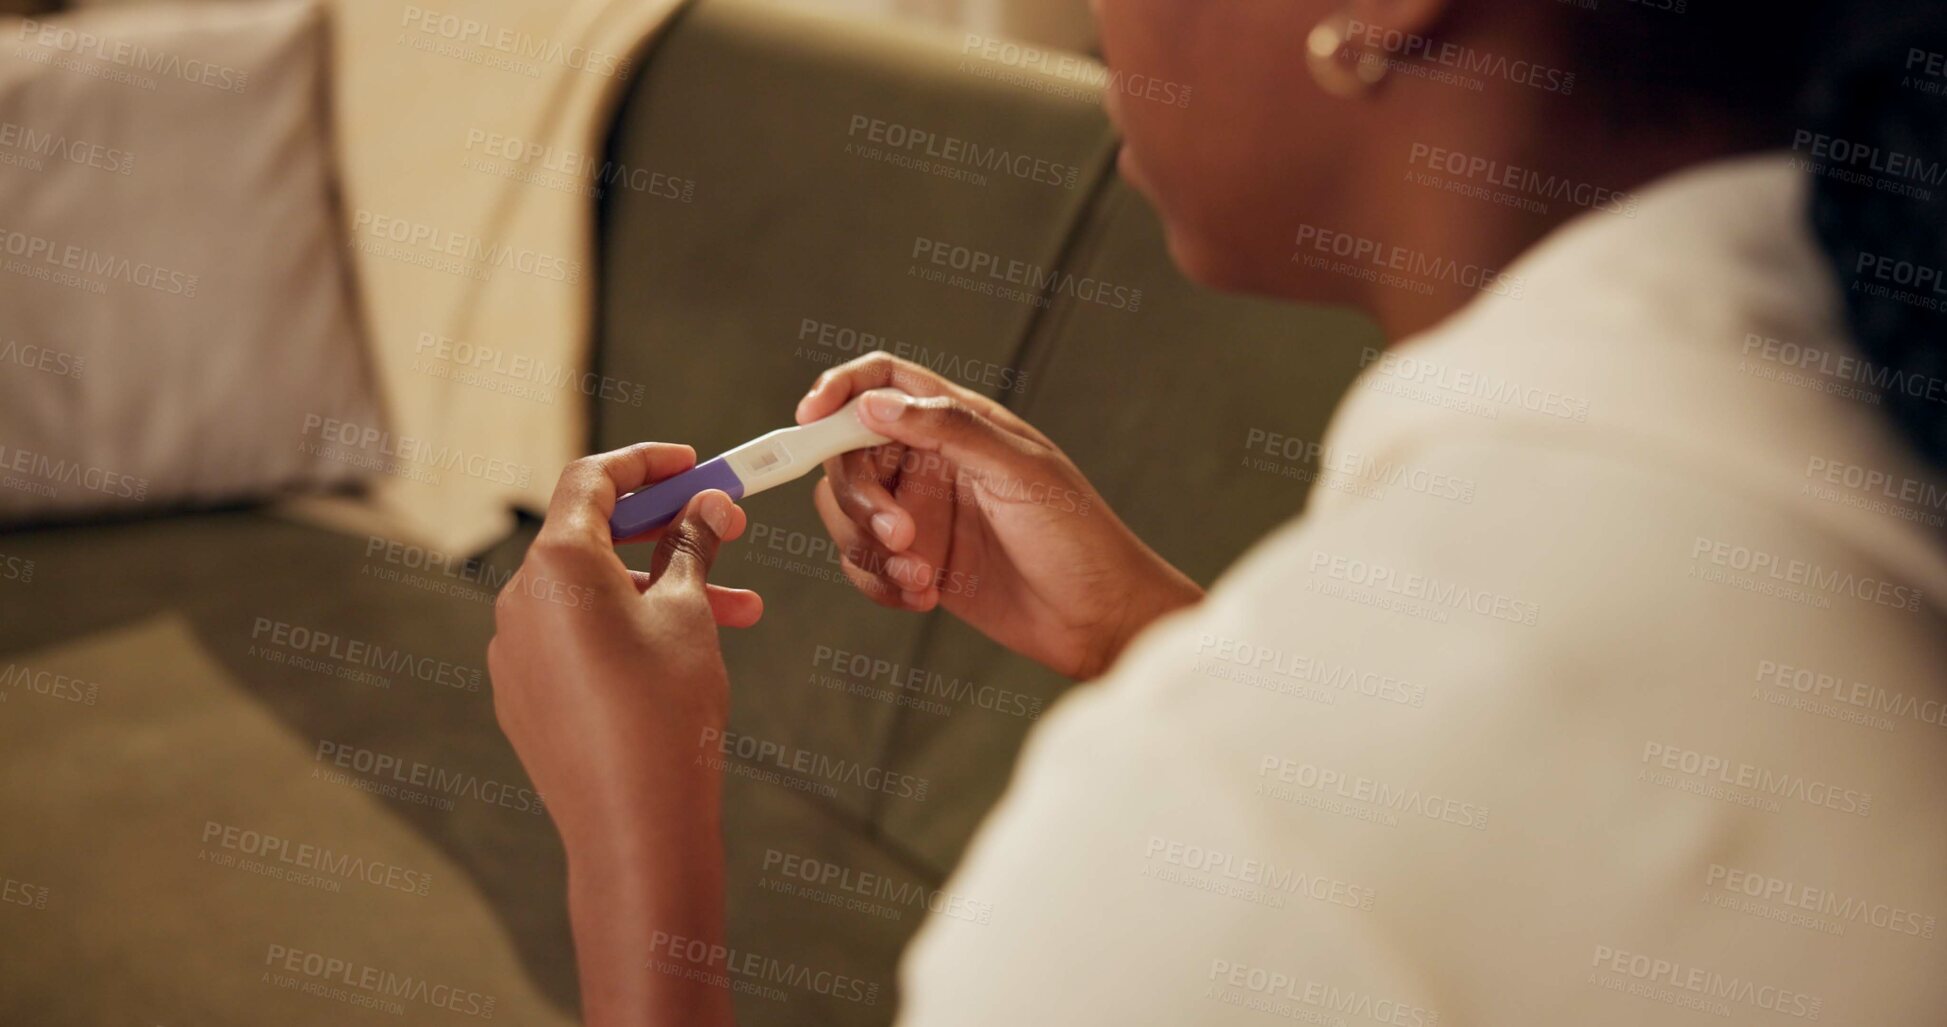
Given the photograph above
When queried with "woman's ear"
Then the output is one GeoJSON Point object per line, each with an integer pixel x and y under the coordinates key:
{"type": "Point", "coordinates": [1417, 17]}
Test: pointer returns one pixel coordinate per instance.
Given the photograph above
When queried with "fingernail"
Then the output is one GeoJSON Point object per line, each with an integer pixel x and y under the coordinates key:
{"type": "Point", "coordinates": [882, 525]}
{"type": "Point", "coordinates": [716, 512]}
{"type": "Point", "coordinates": [885, 405]}
{"type": "Point", "coordinates": [913, 599]}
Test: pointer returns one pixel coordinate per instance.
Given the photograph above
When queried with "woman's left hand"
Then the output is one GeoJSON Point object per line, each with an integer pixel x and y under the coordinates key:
{"type": "Point", "coordinates": [610, 683]}
{"type": "Point", "coordinates": [603, 675]}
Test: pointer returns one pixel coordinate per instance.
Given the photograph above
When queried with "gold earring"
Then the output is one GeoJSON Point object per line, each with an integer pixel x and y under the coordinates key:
{"type": "Point", "coordinates": [1347, 81]}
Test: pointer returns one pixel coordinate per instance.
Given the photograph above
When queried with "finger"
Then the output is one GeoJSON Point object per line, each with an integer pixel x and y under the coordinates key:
{"type": "Point", "coordinates": [731, 607]}
{"type": "Point", "coordinates": [962, 433]}
{"type": "Point", "coordinates": [735, 607]}
{"type": "Point", "coordinates": [873, 371]}
{"type": "Point", "coordinates": [880, 371]}
{"type": "Point", "coordinates": [585, 496]}
{"type": "Point", "coordinates": [926, 491]}
{"type": "Point", "coordinates": [688, 546]}
{"type": "Point", "coordinates": [862, 495]}
{"type": "Point", "coordinates": [858, 550]}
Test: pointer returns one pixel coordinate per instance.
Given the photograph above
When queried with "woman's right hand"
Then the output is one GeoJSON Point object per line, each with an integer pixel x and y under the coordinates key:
{"type": "Point", "coordinates": [971, 509]}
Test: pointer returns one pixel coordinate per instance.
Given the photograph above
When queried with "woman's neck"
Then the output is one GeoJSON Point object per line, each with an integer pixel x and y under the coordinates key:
{"type": "Point", "coordinates": [1475, 193]}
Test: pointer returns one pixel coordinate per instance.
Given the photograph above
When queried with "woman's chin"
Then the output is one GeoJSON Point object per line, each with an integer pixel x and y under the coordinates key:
{"type": "Point", "coordinates": [1211, 264]}
{"type": "Point", "coordinates": [1203, 265]}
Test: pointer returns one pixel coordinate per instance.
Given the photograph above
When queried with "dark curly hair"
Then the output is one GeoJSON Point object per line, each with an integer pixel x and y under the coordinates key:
{"type": "Point", "coordinates": [1885, 88]}
{"type": "Point", "coordinates": [1867, 75]}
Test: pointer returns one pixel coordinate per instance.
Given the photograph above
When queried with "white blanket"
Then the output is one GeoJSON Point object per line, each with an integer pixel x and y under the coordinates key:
{"type": "Point", "coordinates": [470, 137]}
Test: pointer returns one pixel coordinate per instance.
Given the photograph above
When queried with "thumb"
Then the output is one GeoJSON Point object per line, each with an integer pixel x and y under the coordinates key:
{"type": "Point", "coordinates": [688, 547]}
{"type": "Point", "coordinates": [948, 426]}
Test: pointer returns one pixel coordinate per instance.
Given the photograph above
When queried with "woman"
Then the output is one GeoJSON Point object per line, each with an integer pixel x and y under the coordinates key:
{"type": "Point", "coordinates": [1642, 730]}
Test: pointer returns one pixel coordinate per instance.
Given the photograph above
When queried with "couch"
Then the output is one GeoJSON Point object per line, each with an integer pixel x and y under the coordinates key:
{"type": "Point", "coordinates": [251, 771]}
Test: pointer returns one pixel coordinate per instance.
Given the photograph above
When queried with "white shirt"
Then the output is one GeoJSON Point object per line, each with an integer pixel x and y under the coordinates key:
{"type": "Point", "coordinates": [1606, 688]}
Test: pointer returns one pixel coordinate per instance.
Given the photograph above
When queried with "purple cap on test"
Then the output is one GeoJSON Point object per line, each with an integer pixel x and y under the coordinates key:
{"type": "Point", "coordinates": [664, 501]}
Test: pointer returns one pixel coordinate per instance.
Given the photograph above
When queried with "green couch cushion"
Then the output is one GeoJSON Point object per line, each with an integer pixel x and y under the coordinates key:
{"type": "Point", "coordinates": [192, 861]}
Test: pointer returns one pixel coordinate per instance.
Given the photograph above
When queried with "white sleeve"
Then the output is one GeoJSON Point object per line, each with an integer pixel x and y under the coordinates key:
{"type": "Point", "coordinates": [1423, 761]}
{"type": "Point", "coordinates": [1126, 886]}
{"type": "Point", "coordinates": [1161, 857]}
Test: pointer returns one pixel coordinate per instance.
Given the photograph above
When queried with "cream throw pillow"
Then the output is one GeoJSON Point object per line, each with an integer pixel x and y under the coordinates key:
{"type": "Point", "coordinates": [176, 316]}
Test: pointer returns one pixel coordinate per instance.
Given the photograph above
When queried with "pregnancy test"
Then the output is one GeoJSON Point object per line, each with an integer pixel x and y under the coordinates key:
{"type": "Point", "coordinates": [763, 463]}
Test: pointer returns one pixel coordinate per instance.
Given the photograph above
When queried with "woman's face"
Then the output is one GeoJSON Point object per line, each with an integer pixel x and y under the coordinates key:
{"type": "Point", "coordinates": [1255, 151]}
